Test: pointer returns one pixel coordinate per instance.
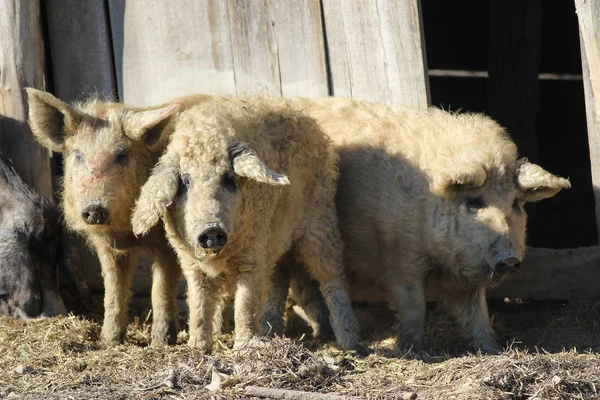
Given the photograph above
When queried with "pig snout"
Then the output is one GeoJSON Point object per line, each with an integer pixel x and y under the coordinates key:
{"type": "Point", "coordinates": [212, 237]}
{"type": "Point", "coordinates": [95, 215]}
{"type": "Point", "coordinates": [506, 263]}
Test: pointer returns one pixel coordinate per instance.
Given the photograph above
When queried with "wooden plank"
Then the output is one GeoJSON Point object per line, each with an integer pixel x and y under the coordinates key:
{"type": "Point", "coordinates": [80, 49]}
{"type": "Point", "coordinates": [278, 47]}
{"type": "Point", "coordinates": [588, 13]}
{"type": "Point", "coordinates": [301, 48]}
{"type": "Point", "coordinates": [513, 63]}
{"type": "Point", "coordinates": [22, 65]}
{"type": "Point", "coordinates": [377, 51]}
{"type": "Point", "coordinates": [168, 49]}
{"type": "Point", "coordinates": [254, 47]}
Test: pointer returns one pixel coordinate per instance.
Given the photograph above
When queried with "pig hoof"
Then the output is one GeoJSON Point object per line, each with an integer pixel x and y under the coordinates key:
{"type": "Point", "coordinates": [162, 336]}
{"type": "Point", "coordinates": [490, 348]}
{"type": "Point", "coordinates": [410, 342]}
{"type": "Point", "coordinates": [247, 343]}
{"type": "Point", "coordinates": [360, 350]}
{"type": "Point", "coordinates": [200, 344]}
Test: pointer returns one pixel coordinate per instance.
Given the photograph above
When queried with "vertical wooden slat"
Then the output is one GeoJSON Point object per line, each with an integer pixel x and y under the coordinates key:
{"type": "Point", "coordinates": [377, 51]}
{"type": "Point", "coordinates": [80, 49]}
{"type": "Point", "coordinates": [167, 49]}
{"type": "Point", "coordinates": [301, 47]}
{"type": "Point", "coordinates": [588, 13]}
{"type": "Point", "coordinates": [278, 46]}
{"type": "Point", "coordinates": [513, 63]}
{"type": "Point", "coordinates": [22, 65]}
{"type": "Point", "coordinates": [254, 47]}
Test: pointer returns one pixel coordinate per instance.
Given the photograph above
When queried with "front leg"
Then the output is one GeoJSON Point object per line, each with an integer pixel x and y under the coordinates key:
{"type": "Point", "coordinates": [407, 299]}
{"type": "Point", "coordinates": [166, 275]}
{"type": "Point", "coordinates": [117, 270]}
{"type": "Point", "coordinates": [249, 301]}
{"type": "Point", "coordinates": [203, 297]}
{"type": "Point", "coordinates": [469, 309]}
{"type": "Point", "coordinates": [272, 322]}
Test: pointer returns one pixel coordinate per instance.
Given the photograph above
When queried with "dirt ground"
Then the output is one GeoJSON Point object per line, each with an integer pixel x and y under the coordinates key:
{"type": "Point", "coordinates": [552, 354]}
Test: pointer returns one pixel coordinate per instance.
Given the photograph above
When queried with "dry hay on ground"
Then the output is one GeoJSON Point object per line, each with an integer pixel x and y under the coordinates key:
{"type": "Point", "coordinates": [61, 358]}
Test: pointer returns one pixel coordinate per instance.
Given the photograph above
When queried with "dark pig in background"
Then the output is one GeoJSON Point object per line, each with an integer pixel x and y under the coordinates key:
{"type": "Point", "coordinates": [30, 249]}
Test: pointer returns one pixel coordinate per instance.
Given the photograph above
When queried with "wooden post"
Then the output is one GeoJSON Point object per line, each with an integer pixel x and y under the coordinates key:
{"type": "Point", "coordinates": [588, 13]}
{"type": "Point", "coordinates": [377, 51]}
{"type": "Point", "coordinates": [513, 62]}
{"type": "Point", "coordinates": [80, 49]}
{"type": "Point", "coordinates": [22, 65]}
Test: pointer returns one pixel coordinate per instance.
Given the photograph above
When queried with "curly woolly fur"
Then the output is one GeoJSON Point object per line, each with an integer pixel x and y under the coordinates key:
{"type": "Point", "coordinates": [429, 202]}
{"type": "Point", "coordinates": [109, 150]}
{"type": "Point", "coordinates": [267, 214]}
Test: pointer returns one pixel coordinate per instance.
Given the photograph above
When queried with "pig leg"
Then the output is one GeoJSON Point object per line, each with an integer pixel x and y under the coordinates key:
{"type": "Point", "coordinates": [165, 281]}
{"type": "Point", "coordinates": [320, 250]}
{"type": "Point", "coordinates": [117, 271]}
{"type": "Point", "coordinates": [250, 296]}
{"type": "Point", "coordinates": [470, 311]}
{"type": "Point", "coordinates": [407, 299]}
{"type": "Point", "coordinates": [306, 293]}
{"type": "Point", "coordinates": [202, 303]}
{"type": "Point", "coordinates": [272, 319]}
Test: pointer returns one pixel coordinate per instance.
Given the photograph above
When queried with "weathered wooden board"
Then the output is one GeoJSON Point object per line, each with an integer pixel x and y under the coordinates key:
{"type": "Point", "coordinates": [588, 13]}
{"type": "Point", "coordinates": [165, 49]}
{"type": "Point", "coordinates": [278, 47]}
{"type": "Point", "coordinates": [377, 51]}
{"type": "Point", "coordinates": [22, 65]}
{"type": "Point", "coordinates": [513, 63]}
{"type": "Point", "coordinates": [80, 49]}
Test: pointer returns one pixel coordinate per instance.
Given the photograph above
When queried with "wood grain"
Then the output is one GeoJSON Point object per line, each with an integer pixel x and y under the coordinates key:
{"type": "Point", "coordinates": [168, 49]}
{"type": "Point", "coordinates": [377, 51]}
{"type": "Point", "coordinates": [22, 65]}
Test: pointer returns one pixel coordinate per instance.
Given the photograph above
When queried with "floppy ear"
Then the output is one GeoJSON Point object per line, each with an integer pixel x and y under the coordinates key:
{"type": "Point", "coordinates": [447, 183]}
{"type": "Point", "coordinates": [246, 163]}
{"type": "Point", "coordinates": [149, 124]}
{"type": "Point", "coordinates": [50, 119]}
{"type": "Point", "coordinates": [156, 195]}
{"type": "Point", "coordinates": [536, 183]}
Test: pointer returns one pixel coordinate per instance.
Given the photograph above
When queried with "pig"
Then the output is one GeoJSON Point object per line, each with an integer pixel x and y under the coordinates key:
{"type": "Point", "coordinates": [430, 203]}
{"type": "Point", "coordinates": [30, 249]}
{"type": "Point", "coordinates": [230, 217]}
{"type": "Point", "coordinates": [109, 150]}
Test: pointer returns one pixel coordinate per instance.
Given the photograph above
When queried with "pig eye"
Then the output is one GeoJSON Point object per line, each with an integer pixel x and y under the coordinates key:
{"type": "Point", "coordinates": [228, 182]}
{"type": "Point", "coordinates": [517, 205]}
{"type": "Point", "coordinates": [184, 184]}
{"type": "Point", "coordinates": [474, 203]}
{"type": "Point", "coordinates": [78, 156]}
{"type": "Point", "coordinates": [122, 157]}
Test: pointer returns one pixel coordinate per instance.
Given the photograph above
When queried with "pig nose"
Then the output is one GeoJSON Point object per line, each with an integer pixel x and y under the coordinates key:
{"type": "Point", "coordinates": [212, 237]}
{"type": "Point", "coordinates": [95, 215]}
{"type": "Point", "coordinates": [510, 264]}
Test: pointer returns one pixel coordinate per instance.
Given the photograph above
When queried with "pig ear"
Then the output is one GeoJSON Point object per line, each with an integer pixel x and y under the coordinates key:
{"type": "Point", "coordinates": [156, 195]}
{"type": "Point", "coordinates": [536, 183]}
{"type": "Point", "coordinates": [148, 124]}
{"type": "Point", "coordinates": [246, 163]}
{"type": "Point", "coordinates": [447, 184]}
{"type": "Point", "coordinates": [50, 119]}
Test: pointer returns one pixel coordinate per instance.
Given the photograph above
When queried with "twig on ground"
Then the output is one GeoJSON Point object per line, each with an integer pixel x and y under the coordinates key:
{"type": "Point", "coordinates": [270, 393]}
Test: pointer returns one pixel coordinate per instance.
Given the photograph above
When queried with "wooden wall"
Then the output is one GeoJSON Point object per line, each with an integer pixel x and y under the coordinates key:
{"type": "Point", "coordinates": [144, 52]}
